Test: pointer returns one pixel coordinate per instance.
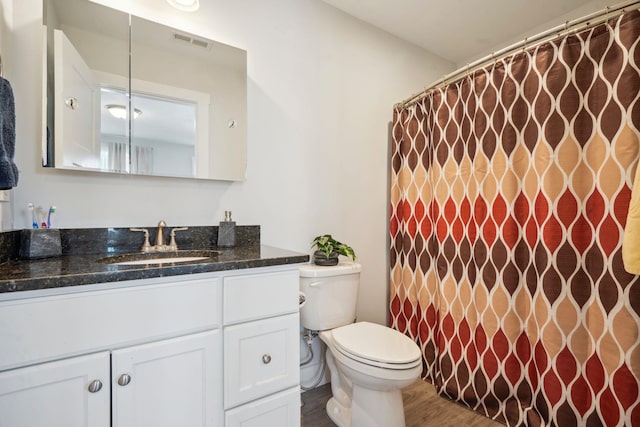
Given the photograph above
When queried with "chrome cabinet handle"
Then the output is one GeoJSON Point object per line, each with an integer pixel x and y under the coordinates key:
{"type": "Point", "coordinates": [95, 386]}
{"type": "Point", "coordinates": [266, 358]}
{"type": "Point", "coordinates": [124, 379]}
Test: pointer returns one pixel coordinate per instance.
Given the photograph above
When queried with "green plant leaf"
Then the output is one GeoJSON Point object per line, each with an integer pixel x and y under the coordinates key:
{"type": "Point", "coordinates": [327, 244]}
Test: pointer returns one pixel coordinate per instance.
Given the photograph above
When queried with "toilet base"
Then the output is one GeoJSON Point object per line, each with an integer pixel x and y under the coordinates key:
{"type": "Point", "coordinates": [340, 415]}
{"type": "Point", "coordinates": [383, 409]}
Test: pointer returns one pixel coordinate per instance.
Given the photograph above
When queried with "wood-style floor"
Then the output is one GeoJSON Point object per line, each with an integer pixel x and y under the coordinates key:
{"type": "Point", "coordinates": [422, 408]}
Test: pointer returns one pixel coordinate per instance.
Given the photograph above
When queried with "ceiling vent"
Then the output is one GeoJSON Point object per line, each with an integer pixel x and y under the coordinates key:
{"type": "Point", "coordinates": [191, 40]}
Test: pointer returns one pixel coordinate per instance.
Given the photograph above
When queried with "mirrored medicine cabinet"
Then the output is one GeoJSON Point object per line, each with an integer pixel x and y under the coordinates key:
{"type": "Point", "coordinates": [130, 96]}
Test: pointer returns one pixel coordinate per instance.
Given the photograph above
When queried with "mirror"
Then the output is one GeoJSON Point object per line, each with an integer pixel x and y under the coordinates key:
{"type": "Point", "coordinates": [187, 95]}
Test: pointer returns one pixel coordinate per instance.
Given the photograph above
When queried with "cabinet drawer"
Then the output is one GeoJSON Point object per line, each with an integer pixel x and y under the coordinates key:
{"type": "Point", "coordinates": [257, 296]}
{"type": "Point", "coordinates": [54, 327]}
{"type": "Point", "coordinates": [260, 358]}
{"type": "Point", "coordinates": [280, 409]}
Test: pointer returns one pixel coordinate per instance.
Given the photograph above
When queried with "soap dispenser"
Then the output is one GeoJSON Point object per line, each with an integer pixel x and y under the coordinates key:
{"type": "Point", "coordinates": [227, 231]}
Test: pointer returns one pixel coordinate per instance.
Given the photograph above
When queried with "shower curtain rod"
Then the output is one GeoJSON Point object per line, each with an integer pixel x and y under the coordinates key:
{"type": "Point", "coordinates": [589, 21]}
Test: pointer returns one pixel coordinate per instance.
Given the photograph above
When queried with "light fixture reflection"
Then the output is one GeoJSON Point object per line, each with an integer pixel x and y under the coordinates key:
{"type": "Point", "coordinates": [120, 111]}
{"type": "Point", "coordinates": [185, 5]}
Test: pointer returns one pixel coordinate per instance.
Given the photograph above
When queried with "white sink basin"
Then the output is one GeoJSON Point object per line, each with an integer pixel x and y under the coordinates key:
{"type": "Point", "coordinates": [161, 260]}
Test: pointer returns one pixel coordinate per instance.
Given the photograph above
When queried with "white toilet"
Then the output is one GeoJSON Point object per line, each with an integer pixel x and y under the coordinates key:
{"type": "Point", "coordinates": [369, 363]}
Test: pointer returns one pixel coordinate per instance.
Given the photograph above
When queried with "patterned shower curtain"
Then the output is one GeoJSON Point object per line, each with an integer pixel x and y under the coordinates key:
{"type": "Point", "coordinates": [509, 194]}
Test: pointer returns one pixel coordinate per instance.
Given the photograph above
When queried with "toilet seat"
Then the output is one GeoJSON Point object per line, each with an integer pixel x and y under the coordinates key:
{"type": "Point", "coordinates": [376, 345]}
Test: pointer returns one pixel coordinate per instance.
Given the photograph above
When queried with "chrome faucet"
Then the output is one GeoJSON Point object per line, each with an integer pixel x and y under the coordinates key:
{"type": "Point", "coordinates": [173, 246]}
{"type": "Point", "coordinates": [146, 246]}
{"type": "Point", "coordinates": [160, 245]}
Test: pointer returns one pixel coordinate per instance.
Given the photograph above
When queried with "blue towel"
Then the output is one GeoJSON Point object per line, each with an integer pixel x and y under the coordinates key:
{"type": "Point", "coordinates": [8, 169]}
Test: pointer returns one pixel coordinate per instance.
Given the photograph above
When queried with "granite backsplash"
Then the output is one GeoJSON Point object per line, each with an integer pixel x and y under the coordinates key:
{"type": "Point", "coordinates": [110, 241]}
{"type": "Point", "coordinates": [9, 245]}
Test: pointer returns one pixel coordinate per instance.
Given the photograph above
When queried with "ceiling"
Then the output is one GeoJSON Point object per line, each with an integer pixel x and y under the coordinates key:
{"type": "Point", "coordinates": [461, 31]}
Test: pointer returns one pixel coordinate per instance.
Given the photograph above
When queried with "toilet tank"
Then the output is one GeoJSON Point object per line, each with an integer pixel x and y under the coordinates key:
{"type": "Point", "coordinates": [331, 295]}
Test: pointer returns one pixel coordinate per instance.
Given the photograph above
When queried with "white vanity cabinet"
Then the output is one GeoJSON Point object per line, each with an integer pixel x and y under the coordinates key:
{"type": "Point", "coordinates": [203, 350]}
{"type": "Point", "coordinates": [261, 350]}
{"type": "Point", "coordinates": [146, 355]}
{"type": "Point", "coordinates": [163, 383]}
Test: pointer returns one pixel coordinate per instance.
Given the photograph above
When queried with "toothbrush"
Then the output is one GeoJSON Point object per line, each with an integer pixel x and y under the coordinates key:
{"type": "Point", "coordinates": [34, 221]}
{"type": "Point", "coordinates": [52, 210]}
{"type": "Point", "coordinates": [41, 217]}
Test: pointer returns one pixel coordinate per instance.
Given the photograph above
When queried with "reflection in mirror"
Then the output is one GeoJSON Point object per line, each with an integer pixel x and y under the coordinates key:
{"type": "Point", "coordinates": [164, 132]}
{"type": "Point", "coordinates": [73, 87]}
{"type": "Point", "coordinates": [184, 91]}
{"type": "Point", "coordinates": [154, 152]}
{"type": "Point", "coordinates": [114, 143]}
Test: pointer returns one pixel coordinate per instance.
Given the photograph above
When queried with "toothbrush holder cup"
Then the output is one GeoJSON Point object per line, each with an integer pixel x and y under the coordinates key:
{"type": "Point", "coordinates": [40, 243]}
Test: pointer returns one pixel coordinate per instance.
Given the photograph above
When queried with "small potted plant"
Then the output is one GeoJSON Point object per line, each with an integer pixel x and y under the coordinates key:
{"type": "Point", "coordinates": [328, 249]}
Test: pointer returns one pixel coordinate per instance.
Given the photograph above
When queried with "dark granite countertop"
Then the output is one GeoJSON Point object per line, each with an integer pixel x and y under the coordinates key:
{"type": "Point", "coordinates": [82, 248]}
{"type": "Point", "coordinates": [73, 270]}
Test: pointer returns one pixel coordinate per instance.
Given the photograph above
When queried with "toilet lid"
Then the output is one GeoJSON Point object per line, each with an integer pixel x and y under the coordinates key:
{"type": "Point", "coordinates": [376, 343]}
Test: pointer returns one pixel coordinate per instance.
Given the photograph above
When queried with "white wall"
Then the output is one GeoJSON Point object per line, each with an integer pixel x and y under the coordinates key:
{"type": "Point", "coordinates": [320, 95]}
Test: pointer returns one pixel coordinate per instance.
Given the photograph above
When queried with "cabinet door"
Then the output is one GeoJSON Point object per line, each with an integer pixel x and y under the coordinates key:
{"type": "Point", "coordinates": [175, 382]}
{"type": "Point", "coordinates": [57, 393]}
{"type": "Point", "coordinates": [261, 358]}
{"type": "Point", "coordinates": [280, 409]}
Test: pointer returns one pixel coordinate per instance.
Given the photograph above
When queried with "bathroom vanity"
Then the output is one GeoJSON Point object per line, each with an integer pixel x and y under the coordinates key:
{"type": "Point", "coordinates": [181, 346]}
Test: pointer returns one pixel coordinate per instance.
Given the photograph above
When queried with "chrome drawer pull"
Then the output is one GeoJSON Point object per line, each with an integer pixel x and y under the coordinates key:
{"type": "Point", "coordinates": [124, 379]}
{"type": "Point", "coordinates": [95, 386]}
{"type": "Point", "coordinates": [266, 358]}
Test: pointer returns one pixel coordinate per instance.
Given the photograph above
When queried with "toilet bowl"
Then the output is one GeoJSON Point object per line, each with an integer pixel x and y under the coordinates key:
{"type": "Point", "coordinates": [369, 363]}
